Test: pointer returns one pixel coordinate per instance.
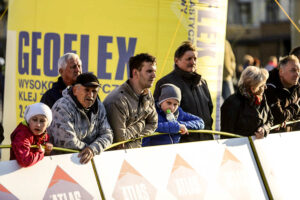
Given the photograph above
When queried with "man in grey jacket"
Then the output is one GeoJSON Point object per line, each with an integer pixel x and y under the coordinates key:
{"type": "Point", "coordinates": [130, 107]}
{"type": "Point", "coordinates": [79, 119]}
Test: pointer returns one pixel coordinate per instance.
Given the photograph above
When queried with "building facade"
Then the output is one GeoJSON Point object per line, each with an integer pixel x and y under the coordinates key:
{"type": "Point", "coordinates": [259, 28]}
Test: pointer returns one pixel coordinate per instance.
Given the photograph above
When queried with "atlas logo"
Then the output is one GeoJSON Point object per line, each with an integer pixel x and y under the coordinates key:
{"type": "Point", "coordinates": [131, 185]}
{"type": "Point", "coordinates": [5, 194]}
{"type": "Point", "coordinates": [234, 178]}
{"type": "Point", "coordinates": [63, 187]}
{"type": "Point", "coordinates": [185, 182]}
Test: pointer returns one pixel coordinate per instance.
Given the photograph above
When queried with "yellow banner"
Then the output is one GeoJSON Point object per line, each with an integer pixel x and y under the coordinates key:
{"type": "Point", "coordinates": [105, 34]}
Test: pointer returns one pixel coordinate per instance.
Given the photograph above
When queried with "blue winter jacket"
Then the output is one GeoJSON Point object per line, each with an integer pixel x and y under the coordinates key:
{"type": "Point", "coordinates": [164, 126]}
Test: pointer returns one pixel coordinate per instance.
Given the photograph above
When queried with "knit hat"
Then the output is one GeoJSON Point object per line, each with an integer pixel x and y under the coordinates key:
{"type": "Point", "coordinates": [169, 91]}
{"type": "Point", "coordinates": [87, 80]}
{"type": "Point", "coordinates": [38, 109]}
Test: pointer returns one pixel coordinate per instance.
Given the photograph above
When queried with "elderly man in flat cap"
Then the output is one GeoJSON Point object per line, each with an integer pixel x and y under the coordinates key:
{"type": "Point", "coordinates": [79, 119]}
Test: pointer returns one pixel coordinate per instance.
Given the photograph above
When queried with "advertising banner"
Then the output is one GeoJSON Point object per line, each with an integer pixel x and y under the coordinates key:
{"type": "Point", "coordinates": [224, 169]}
{"type": "Point", "coordinates": [278, 154]}
{"type": "Point", "coordinates": [53, 178]}
{"type": "Point", "coordinates": [105, 34]}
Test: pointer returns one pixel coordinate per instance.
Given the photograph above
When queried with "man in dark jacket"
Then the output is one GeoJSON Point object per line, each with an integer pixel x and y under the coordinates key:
{"type": "Point", "coordinates": [69, 67]}
{"type": "Point", "coordinates": [196, 97]}
{"type": "Point", "coordinates": [283, 90]}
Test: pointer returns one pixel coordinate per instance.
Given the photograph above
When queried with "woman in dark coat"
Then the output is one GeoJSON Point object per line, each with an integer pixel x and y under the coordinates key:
{"type": "Point", "coordinates": [246, 112]}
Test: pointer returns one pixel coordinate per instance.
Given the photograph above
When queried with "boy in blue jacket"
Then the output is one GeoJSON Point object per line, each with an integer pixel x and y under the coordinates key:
{"type": "Point", "coordinates": [169, 100]}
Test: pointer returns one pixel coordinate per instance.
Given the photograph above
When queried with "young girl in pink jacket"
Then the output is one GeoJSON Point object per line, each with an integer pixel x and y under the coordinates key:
{"type": "Point", "coordinates": [32, 131]}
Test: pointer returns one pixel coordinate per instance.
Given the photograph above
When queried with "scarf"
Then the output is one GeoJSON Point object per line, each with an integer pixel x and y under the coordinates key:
{"type": "Point", "coordinates": [254, 99]}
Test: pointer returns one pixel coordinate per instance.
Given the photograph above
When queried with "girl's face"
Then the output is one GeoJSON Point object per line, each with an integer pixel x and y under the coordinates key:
{"type": "Point", "coordinates": [171, 104]}
{"type": "Point", "coordinates": [38, 124]}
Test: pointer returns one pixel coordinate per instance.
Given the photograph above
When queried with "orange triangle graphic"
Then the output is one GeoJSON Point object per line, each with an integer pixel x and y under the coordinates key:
{"type": "Point", "coordinates": [127, 168]}
{"type": "Point", "coordinates": [179, 162]}
{"type": "Point", "coordinates": [60, 174]}
{"type": "Point", "coordinates": [228, 156]}
{"type": "Point", "coordinates": [3, 189]}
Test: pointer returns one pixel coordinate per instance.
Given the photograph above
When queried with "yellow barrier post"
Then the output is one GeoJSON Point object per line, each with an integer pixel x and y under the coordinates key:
{"type": "Point", "coordinates": [98, 180]}
{"type": "Point", "coordinates": [263, 176]}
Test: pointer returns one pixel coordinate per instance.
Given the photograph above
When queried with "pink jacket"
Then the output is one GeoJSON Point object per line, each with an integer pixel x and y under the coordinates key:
{"type": "Point", "coordinates": [21, 140]}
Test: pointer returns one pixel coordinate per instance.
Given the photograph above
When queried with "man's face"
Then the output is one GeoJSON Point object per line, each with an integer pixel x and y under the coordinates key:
{"type": "Point", "coordinates": [289, 75]}
{"type": "Point", "coordinates": [187, 62]}
{"type": "Point", "coordinates": [147, 75]}
{"type": "Point", "coordinates": [72, 70]}
{"type": "Point", "coordinates": [85, 95]}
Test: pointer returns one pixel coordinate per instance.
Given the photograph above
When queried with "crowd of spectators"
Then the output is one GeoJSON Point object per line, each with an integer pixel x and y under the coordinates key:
{"type": "Point", "coordinates": [71, 115]}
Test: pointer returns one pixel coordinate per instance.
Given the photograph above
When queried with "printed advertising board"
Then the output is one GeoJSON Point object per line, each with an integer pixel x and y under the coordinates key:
{"type": "Point", "coordinates": [278, 154]}
{"type": "Point", "coordinates": [54, 178]}
{"type": "Point", "coordinates": [224, 169]}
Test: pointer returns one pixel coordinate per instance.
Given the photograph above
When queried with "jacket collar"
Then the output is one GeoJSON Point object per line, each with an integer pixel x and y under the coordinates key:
{"type": "Point", "coordinates": [142, 99]}
{"type": "Point", "coordinates": [60, 84]}
{"type": "Point", "coordinates": [249, 100]}
{"type": "Point", "coordinates": [191, 77]}
{"type": "Point", "coordinates": [274, 78]}
{"type": "Point", "coordinates": [132, 92]}
{"type": "Point", "coordinates": [25, 124]}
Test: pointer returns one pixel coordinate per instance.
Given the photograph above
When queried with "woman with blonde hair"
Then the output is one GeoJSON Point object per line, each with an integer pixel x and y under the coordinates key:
{"type": "Point", "coordinates": [246, 112]}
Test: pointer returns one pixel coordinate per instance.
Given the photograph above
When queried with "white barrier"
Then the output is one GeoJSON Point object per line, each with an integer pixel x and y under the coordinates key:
{"type": "Point", "coordinates": [223, 169]}
{"type": "Point", "coordinates": [279, 156]}
{"type": "Point", "coordinates": [59, 177]}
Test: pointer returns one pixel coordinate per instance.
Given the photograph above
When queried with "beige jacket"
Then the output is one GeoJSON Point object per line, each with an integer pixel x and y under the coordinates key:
{"type": "Point", "coordinates": [229, 63]}
{"type": "Point", "coordinates": [129, 115]}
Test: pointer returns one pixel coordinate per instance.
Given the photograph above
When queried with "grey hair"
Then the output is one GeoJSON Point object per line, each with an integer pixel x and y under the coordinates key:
{"type": "Point", "coordinates": [63, 61]}
{"type": "Point", "coordinates": [252, 76]}
{"type": "Point", "coordinates": [284, 60]}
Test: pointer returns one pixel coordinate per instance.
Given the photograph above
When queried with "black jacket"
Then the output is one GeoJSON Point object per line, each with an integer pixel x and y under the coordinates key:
{"type": "Point", "coordinates": [55, 93]}
{"type": "Point", "coordinates": [195, 98]}
{"type": "Point", "coordinates": [1, 134]}
{"type": "Point", "coordinates": [282, 101]}
{"type": "Point", "coordinates": [238, 116]}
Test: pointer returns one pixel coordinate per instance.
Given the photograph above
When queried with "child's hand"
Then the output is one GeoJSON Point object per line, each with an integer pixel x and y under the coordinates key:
{"type": "Point", "coordinates": [41, 148]}
{"type": "Point", "coordinates": [183, 130]}
{"type": "Point", "coordinates": [48, 148]}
